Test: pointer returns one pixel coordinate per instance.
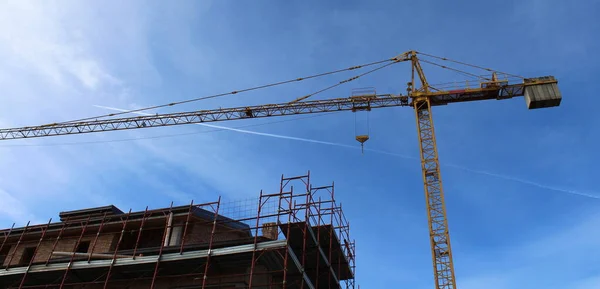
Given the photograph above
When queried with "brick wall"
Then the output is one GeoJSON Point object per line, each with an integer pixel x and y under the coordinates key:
{"type": "Point", "coordinates": [270, 230]}
{"type": "Point", "coordinates": [200, 233]}
{"type": "Point", "coordinates": [104, 244]}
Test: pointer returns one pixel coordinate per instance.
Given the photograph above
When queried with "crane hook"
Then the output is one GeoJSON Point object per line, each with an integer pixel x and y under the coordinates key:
{"type": "Point", "coordinates": [362, 139]}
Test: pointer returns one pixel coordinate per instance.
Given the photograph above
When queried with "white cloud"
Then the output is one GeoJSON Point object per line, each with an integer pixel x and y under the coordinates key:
{"type": "Point", "coordinates": [63, 58]}
{"type": "Point", "coordinates": [51, 70]}
{"type": "Point", "coordinates": [33, 35]}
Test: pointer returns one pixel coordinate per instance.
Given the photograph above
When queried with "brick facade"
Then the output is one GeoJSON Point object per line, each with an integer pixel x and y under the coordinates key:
{"type": "Point", "coordinates": [103, 245]}
{"type": "Point", "coordinates": [198, 232]}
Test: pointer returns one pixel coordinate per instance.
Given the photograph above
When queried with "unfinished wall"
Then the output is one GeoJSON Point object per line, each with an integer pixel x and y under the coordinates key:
{"type": "Point", "coordinates": [270, 230]}
{"type": "Point", "coordinates": [200, 233]}
{"type": "Point", "coordinates": [103, 245]}
{"type": "Point", "coordinates": [197, 233]}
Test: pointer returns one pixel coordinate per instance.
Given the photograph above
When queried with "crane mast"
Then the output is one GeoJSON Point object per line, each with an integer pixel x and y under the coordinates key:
{"type": "Point", "coordinates": [540, 92]}
{"type": "Point", "coordinates": [439, 236]}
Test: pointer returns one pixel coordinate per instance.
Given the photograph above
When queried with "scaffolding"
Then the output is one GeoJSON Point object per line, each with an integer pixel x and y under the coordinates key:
{"type": "Point", "coordinates": [294, 238]}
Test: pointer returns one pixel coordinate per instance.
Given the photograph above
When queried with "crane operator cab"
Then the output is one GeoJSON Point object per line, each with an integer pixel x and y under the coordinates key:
{"type": "Point", "coordinates": [361, 114]}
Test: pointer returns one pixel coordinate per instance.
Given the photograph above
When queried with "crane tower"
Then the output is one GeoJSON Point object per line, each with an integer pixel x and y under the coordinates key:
{"type": "Point", "coordinates": [539, 92]}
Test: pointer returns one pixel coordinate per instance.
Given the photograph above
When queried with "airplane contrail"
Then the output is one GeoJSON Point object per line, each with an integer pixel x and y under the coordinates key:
{"type": "Point", "coordinates": [515, 179]}
{"type": "Point", "coordinates": [500, 176]}
{"type": "Point", "coordinates": [481, 172]}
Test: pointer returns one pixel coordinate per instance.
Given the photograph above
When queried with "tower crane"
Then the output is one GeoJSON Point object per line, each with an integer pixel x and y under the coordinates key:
{"type": "Point", "coordinates": [539, 92]}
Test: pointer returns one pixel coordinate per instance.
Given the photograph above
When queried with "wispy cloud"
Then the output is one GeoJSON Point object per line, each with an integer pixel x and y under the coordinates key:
{"type": "Point", "coordinates": [33, 35]}
{"type": "Point", "coordinates": [52, 69]}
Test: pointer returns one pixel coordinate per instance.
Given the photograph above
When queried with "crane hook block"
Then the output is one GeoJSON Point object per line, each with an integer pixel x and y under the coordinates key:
{"type": "Point", "coordinates": [362, 139]}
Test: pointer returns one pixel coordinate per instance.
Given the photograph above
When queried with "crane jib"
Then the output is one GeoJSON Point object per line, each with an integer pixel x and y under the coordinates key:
{"type": "Point", "coordinates": [283, 109]}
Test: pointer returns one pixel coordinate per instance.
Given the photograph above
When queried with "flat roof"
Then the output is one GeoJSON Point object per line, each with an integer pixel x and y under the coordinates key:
{"type": "Point", "coordinates": [97, 218]}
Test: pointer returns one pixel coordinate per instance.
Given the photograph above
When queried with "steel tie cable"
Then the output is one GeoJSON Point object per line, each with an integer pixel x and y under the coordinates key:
{"type": "Point", "coordinates": [229, 93]}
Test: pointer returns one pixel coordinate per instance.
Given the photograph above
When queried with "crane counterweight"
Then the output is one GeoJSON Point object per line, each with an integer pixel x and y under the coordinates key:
{"type": "Point", "coordinates": [543, 92]}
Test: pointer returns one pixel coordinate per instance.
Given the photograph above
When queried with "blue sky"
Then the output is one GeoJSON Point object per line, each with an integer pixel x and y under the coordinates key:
{"type": "Point", "coordinates": [507, 171]}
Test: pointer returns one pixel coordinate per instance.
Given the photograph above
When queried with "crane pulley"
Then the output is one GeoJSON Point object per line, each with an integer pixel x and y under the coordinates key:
{"type": "Point", "coordinates": [539, 92]}
{"type": "Point", "coordinates": [358, 94]}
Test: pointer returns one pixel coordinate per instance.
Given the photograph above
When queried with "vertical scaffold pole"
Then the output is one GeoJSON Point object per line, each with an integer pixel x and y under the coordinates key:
{"type": "Point", "coordinates": [307, 208]}
{"type": "Point", "coordinates": [35, 253]}
{"type": "Point", "coordinates": [162, 244]}
{"type": "Point", "coordinates": [287, 242]}
{"type": "Point", "coordinates": [318, 208]}
{"type": "Point", "coordinates": [17, 246]}
{"type": "Point", "coordinates": [342, 249]}
{"type": "Point", "coordinates": [83, 229]}
{"type": "Point", "coordinates": [91, 251]}
{"type": "Point", "coordinates": [6, 236]}
{"type": "Point", "coordinates": [253, 261]}
{"type": "Point", "coordinates": [114, 259]}
{"type": "Point", "coordinates": [331, 236]}
{"type": "Point", "coordinates": [137, 240]}
{"type": "Point", "coordinates": [331, 229]}
{"type": "Point", "coordinates": [185, 228]}
{"type": "Point", "coordinates": [210, 243]}
{"type": "Point", "coordinates": [62, 230]}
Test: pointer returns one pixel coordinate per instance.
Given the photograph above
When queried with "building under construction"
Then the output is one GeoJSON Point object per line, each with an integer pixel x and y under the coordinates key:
{"type": "Point", "coordinates": [289, 239]}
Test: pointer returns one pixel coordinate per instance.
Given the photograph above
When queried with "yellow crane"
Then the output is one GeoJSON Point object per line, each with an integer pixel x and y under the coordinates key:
{"type": "Point", "coordinates": [539, 92]}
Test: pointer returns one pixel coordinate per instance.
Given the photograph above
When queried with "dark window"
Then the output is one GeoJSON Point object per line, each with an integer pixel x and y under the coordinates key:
{"type": "Point", "coordinates": [27, 255]}
{"type": "Point", "coordinates": [4, 254]}
{"type": "Point", "coordinates": [83, 247]}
